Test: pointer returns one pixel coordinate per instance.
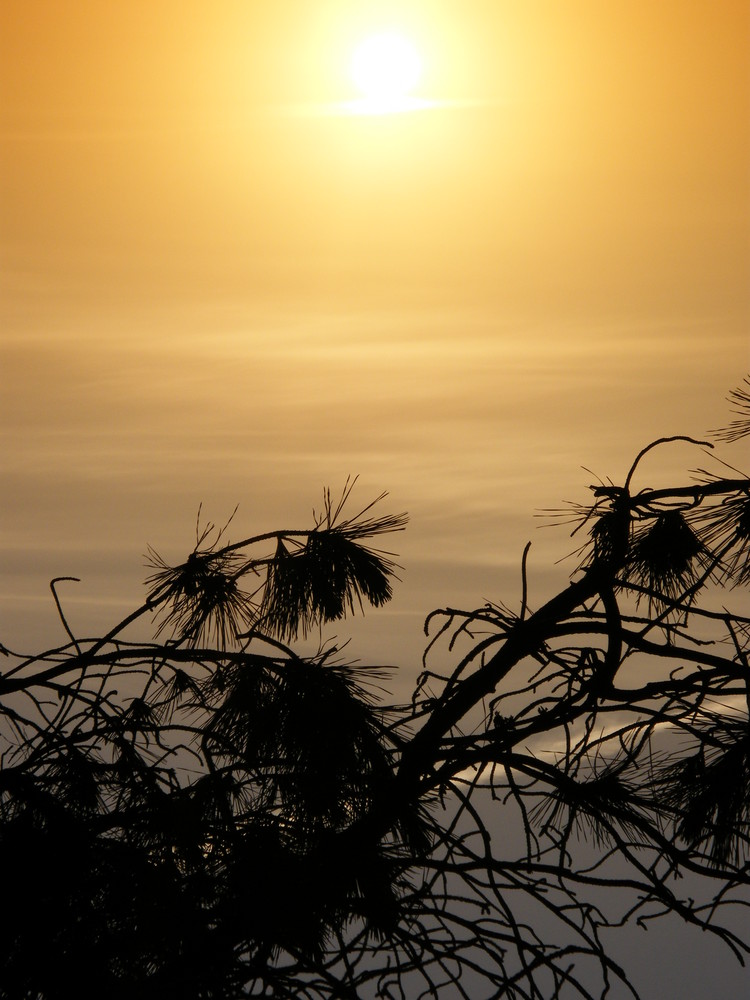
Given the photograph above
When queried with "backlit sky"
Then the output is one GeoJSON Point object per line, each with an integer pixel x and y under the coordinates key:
{"type": "Point", "coordinates": [220, 286]}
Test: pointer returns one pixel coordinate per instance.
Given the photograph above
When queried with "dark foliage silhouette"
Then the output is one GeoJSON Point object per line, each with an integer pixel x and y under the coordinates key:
{"type": "Point", "coordinates": [213, 815]}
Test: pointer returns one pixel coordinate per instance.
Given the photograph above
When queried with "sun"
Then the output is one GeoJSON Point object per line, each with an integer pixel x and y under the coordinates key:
{"type": "Point", "coordinates": [386, 68]}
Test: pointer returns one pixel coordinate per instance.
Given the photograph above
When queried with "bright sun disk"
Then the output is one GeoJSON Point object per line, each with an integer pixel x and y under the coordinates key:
{"type": "Point", "coordinates": [386, 68]}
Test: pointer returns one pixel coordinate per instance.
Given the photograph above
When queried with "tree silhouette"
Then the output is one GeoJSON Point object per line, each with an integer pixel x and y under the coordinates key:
{"type": "Point", "coordinates": [214, 815]}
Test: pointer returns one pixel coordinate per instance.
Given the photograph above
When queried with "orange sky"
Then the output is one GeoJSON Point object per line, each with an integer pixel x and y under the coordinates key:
{"type": "Point", "coordinates": [218, 288]}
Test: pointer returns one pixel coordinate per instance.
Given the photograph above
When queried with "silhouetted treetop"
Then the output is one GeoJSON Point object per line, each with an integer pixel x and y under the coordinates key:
{"type": "Point", "coordinates": [213, 814]}
{"type": "Point", "coordinates": [312, 577]}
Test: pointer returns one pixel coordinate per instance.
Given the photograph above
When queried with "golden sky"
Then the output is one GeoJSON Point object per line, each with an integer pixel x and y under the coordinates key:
{"type": "Point", "coordinates": [220, 285]}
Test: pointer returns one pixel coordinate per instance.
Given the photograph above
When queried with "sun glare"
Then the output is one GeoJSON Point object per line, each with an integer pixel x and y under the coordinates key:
{"type": "Point", "coordinates": [386, 68]}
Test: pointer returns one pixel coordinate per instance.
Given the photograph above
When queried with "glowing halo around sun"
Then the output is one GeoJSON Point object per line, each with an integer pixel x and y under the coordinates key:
{"type": "Point", "coordinates": [385, 68]}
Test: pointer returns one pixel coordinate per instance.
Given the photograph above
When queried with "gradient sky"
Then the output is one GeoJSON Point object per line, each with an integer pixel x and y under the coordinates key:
{"type": "Point", "coordinates": [218, 286]}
